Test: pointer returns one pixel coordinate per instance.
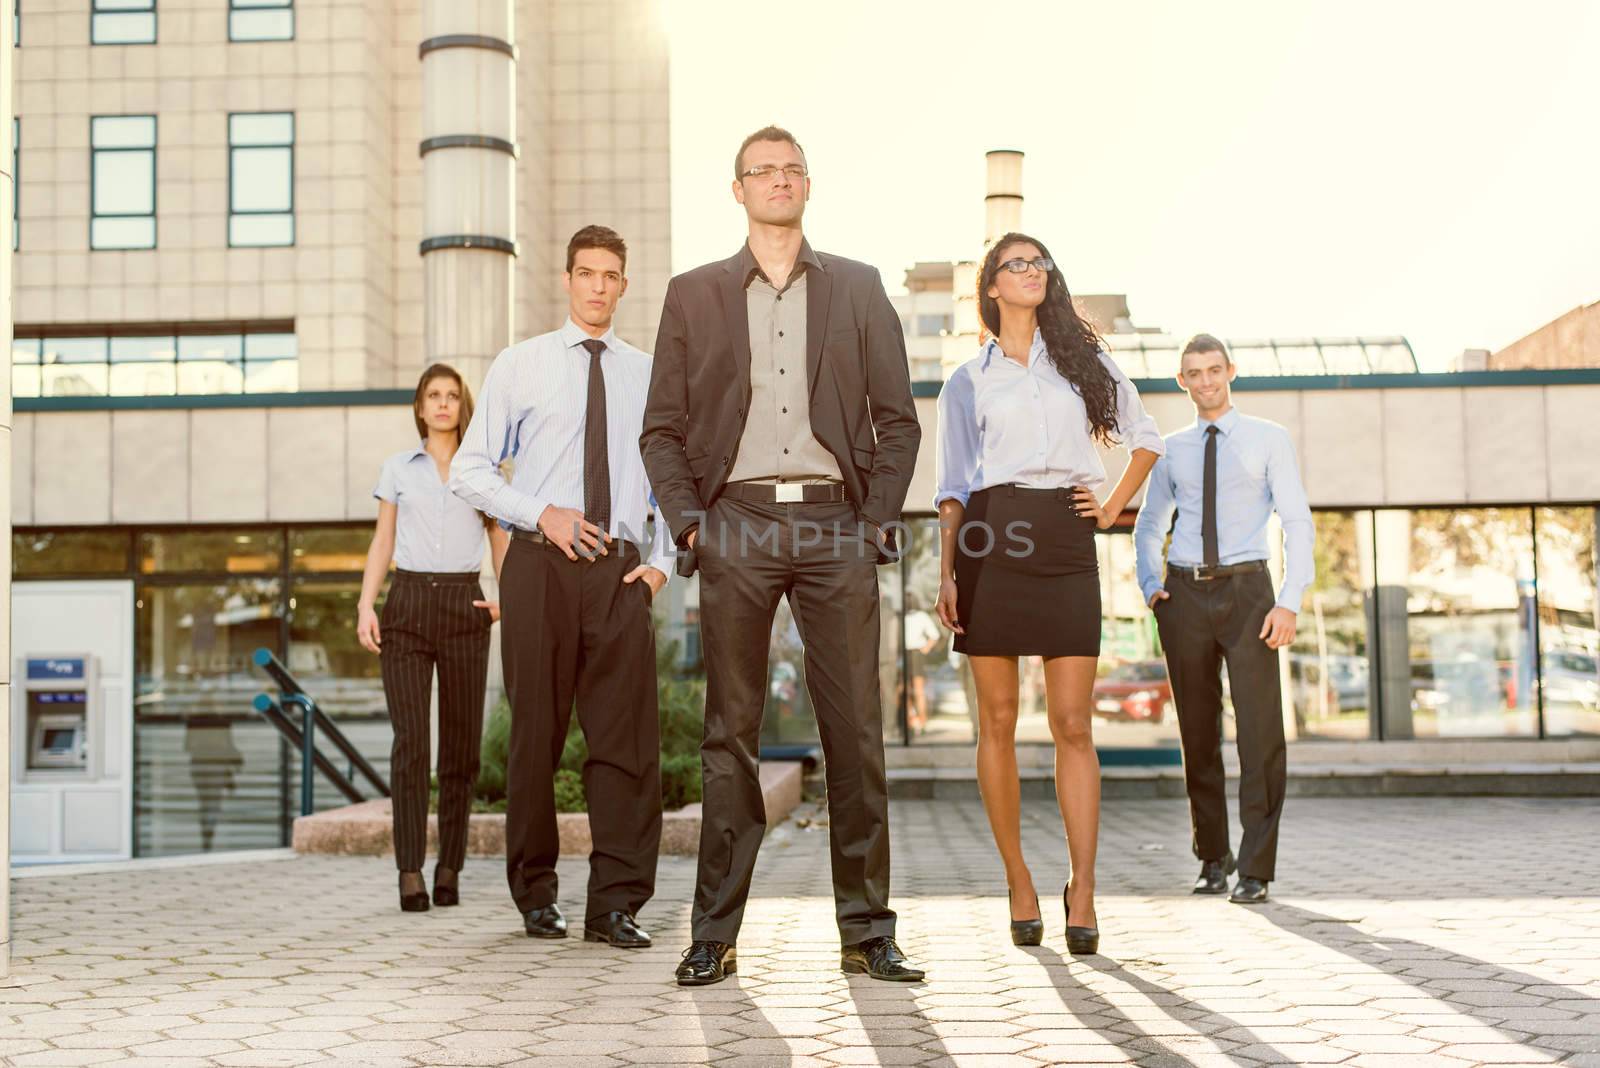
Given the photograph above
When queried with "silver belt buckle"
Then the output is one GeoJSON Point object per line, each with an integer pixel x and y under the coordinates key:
{"type": "Point", "coordinates": [1198, 577]}
{"type": "Point", "coordinates": [790, 492]}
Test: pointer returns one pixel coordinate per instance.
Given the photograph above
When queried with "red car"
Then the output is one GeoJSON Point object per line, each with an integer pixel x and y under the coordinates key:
{"type": "Point", "coordinates": [1137, 690]}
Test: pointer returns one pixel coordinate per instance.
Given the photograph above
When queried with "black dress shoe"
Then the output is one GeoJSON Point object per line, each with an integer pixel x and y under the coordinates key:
{"type": "Point", "coordinates": [1214, 876]}
{"type": "Point", "coordinates": [1081, 941]}
{"type": "Point", "coordinates": [616, 929]}
{"type": "Point", "coordinates": [705, 963]}
{"type": "Point", "coordinates": [545, 923]}
{"type": "Point", "coordinates": [879, 958]}
{"type": "Point", "coordinates": [1026, 932]}
{"type": "Point", "coordinates": [1249, 891]}
{"type": "Point", "coordinates": [413, 900]}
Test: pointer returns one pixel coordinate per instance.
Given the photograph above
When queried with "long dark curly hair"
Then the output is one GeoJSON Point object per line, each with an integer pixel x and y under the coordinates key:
{"type": "Point", "coordinates": [1073, 345]}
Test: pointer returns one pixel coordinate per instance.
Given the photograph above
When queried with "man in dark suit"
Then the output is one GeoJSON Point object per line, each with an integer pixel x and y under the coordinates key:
{"type": "Point", "coordinates": [779, 438]}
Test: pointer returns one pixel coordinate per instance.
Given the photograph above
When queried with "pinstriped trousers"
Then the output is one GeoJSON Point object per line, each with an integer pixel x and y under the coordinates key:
{"type": "Point", "coordinates": [429, 622]}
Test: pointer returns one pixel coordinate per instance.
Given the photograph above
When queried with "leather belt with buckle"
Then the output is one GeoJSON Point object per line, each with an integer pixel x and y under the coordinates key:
{"type": "Point", "coordinates": [786, 492]}
{"type": "Point", "coordinates": [1201, 573]}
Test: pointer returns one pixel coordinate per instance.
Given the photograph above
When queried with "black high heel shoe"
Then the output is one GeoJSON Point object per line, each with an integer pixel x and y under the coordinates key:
{"type": "Point", "coordinates": [414, 900]}
{"type": "Point", "coordinates": [1081, 941]}
{"type": "Point", "coordinates": [1026, 932]}
{"type": "Point", "coordinates": [446, 892]}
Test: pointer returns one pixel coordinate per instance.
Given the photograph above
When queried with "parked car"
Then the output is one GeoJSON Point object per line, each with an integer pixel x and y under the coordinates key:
{"type": "Point", "coordinates": [1137, 690]}
{"type": "Point", "coordinates": [1571, 678]}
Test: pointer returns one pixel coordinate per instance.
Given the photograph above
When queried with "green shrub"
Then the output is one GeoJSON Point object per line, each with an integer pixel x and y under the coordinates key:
{"type": "Point", "coordinates": [682, 709]}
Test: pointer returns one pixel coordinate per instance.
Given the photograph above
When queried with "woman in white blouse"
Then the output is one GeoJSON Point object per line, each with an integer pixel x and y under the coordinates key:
{"type": "Point", "coordinates": [1019, 477]}
{"type": "Point", "coordinates": [435, 618]}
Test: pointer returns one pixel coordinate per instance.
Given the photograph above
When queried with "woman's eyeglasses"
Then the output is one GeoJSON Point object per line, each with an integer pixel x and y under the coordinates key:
{"type": "Point", "coordinates": [1018, 265]}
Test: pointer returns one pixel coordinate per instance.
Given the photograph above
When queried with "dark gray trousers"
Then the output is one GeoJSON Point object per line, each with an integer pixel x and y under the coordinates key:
{"type": "Point", "coordinates": [751, 554]}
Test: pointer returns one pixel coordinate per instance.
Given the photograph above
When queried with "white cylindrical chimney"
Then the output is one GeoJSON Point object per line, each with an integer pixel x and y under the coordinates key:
{"type": "Point", "coordinates": [468, 182]}
{"type": "Point", "coordinates": [1002, 204]}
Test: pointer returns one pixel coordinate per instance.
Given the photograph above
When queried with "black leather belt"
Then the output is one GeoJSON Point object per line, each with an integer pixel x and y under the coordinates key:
{"type": "Point", "coordinates": [786, 492]}
{"type": "Point", "coordinates": [530, 535]}
{"type": "Point", "coordinates": [1201, 573]}
{"type": "Point", "coordinates": [436, 577]}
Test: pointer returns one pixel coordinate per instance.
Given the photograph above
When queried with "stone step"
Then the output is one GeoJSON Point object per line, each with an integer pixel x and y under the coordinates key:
{"type": "Point", "coordinates": [1318, 780]}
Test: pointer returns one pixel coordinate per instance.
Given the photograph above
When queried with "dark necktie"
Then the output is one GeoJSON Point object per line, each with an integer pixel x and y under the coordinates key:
{"type": "Point", "coordinates": [1208, 510]}
{"type": "Point", "coordinates": [596, 458]}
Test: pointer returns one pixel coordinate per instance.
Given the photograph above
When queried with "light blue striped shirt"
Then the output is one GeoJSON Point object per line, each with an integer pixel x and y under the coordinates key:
{"type": "Point", "coordinates": [1256, 475]}
{"type": "Point", "coordinates": [434, 530]}
{"type": "Point", "coordinates": [532, 409]}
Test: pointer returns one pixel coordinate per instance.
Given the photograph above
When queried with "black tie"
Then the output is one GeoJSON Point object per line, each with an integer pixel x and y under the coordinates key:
{"type": "Point", "coordinates": [596, 459]}
{"type": "Point", "coordinates": [1208, 510]}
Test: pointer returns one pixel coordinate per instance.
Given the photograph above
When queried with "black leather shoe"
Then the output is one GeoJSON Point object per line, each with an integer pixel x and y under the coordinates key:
{"type": "Point", "coordinates": [1249, 891]}
{"type": "Point", "coordinates": [1214, 876]}
{"type": "Point", "coordinates": [705, 963]}
{"type": "Point", "coordinates": [1081, 941]}
{"type": "Point", "coordinates": [1026, 932]}
{"type": "Point", "coordinates": [616, 929]}
{"type": "Point", "coordinates": [879, 958]}
{"type": "Point", "coordinates": [545, 923]}
{"type": "Point", "coordinates": [413, 900]}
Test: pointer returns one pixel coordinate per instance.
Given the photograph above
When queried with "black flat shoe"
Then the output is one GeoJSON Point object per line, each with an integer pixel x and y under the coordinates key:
{"type": "Point", "coordinates": [545, 923]}
{"type": "Point", "coordinates": [413, 900]}
{"type": "Point", "coordinates": [1249, 891]}
{"type": "Point", "coordinates": [705, 963]}
{"type": "Point", "coordinates": [1213, 878]}
{"type": "Point", "coordinates": [1026, 932]}
{"type": "Point", "coordinates": [446, 892]}
{"type": "Point", "coordinates": [616, 929]}
{"type": "Point", "coordinates": [878, 958]}
{"type": "Point", "coordinates": [1081, 941]}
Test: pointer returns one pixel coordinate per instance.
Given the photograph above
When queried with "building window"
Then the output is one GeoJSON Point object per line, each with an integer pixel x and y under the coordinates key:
{"type": "Point", "coordinates": [1330, 680]}
{"type": "Point", "coordinates": [16, 184]}
{"type": "Point", "coordinates": [122, 182]}
{"type": "Point", "coordinates": [261, 179]}
{"type": "Point", "coordinates": [934, 325]}
{"type": "Point", "coordinates": [1569, 620]}
{"type": "Point", "coordinates": [189, 360]}
{"type": "Point", "coordinates": [123, 22]}
{"type": "Point", "coordinates": [261, 20]}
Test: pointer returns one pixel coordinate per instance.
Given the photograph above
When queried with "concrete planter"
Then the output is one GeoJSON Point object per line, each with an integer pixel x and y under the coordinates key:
{"type": "Point", "coordinates": [367, 829]}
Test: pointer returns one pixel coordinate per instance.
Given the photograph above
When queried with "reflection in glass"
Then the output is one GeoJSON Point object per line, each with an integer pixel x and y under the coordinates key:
{"type": "Point", "coordinates": [262, 25]}
{"type": "Point", "coordinates": [124, 183]}
{"type": "Point", "coordinates": [24, 381]}
{"type": "Point", "coordinates": [211, 551]}
{"type": "Point", "coordinates": [1568, 615]}
{"type": "Point", "coordinates": [1466, 580]}
{"type": "Point", "coordinates": [143, 379]}
{"type": "Point", "coordinates": [331, 548]}
{"type": "Point", "coordinates": [74, 380]}
{"type": "Point", "coordinates": [272, 376]}
{"type": "Point", "coordinates": [1329, 677]}
{"type": "Point", "coordinates": [37, 553]}
{"type": "Point", "coordinates": [209, 767]}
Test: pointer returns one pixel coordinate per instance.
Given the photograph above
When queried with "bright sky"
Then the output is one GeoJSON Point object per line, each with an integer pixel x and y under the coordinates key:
{"type": "Point", "coordinates": [1250, 169]}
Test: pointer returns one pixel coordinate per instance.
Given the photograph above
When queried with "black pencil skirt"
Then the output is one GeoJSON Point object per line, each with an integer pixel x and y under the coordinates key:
{"type": "Point", "coordinates": [1027, 580]}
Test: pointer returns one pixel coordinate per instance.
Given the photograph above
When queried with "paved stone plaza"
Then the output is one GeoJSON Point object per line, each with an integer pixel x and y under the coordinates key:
{"type": "Point", "coordinates": [1404, 933]}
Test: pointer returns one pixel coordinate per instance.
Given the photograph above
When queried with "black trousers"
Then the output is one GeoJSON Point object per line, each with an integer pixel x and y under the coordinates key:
{"type": "Point", "coordinates": [1204, 625]}
{"type": "Point", "coordinates": [429, 623]}
{"type": "Point", "coordinates": [750, 555]}
{"type": "Point", "coordinates": [573, 630]}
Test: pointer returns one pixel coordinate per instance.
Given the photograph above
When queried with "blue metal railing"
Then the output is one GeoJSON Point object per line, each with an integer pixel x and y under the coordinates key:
{"type": "Point", "coordinates": [304, 736]}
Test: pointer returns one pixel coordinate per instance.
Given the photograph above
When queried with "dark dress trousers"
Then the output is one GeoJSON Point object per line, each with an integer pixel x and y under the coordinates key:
{"type": "Point", "coordinates": [750, 553]}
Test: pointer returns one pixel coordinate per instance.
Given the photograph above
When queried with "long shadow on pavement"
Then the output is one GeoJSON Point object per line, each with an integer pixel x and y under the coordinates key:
{"type": "Point", "coordinates": [729, 1002]}
{"type": "Point", "coordinates": [904, 1027]}
{"type": "Point", "coordinates": [1556, 1011]}
{"type": "Point", "coordinates": [1123, 1030]}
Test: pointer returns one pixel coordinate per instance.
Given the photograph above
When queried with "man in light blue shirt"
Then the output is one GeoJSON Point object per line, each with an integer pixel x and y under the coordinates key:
{"type": "Point", "coordinates": [1215, 490]}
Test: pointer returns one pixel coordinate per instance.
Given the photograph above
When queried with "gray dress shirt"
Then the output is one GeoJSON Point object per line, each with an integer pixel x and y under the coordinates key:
{"type": "Point", "coordinates": [777, 442]}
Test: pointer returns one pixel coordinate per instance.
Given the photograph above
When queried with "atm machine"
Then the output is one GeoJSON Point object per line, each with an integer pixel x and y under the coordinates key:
{"type": "Point", "coordinates": [72, 722]}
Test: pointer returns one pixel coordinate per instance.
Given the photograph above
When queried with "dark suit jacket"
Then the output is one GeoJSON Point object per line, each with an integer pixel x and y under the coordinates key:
{"type": "Point", "coordinates": [860, 388]}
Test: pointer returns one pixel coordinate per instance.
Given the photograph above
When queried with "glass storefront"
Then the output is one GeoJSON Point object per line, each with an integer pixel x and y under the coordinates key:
{"type": "Point", "coordinates": [1428, 623]}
